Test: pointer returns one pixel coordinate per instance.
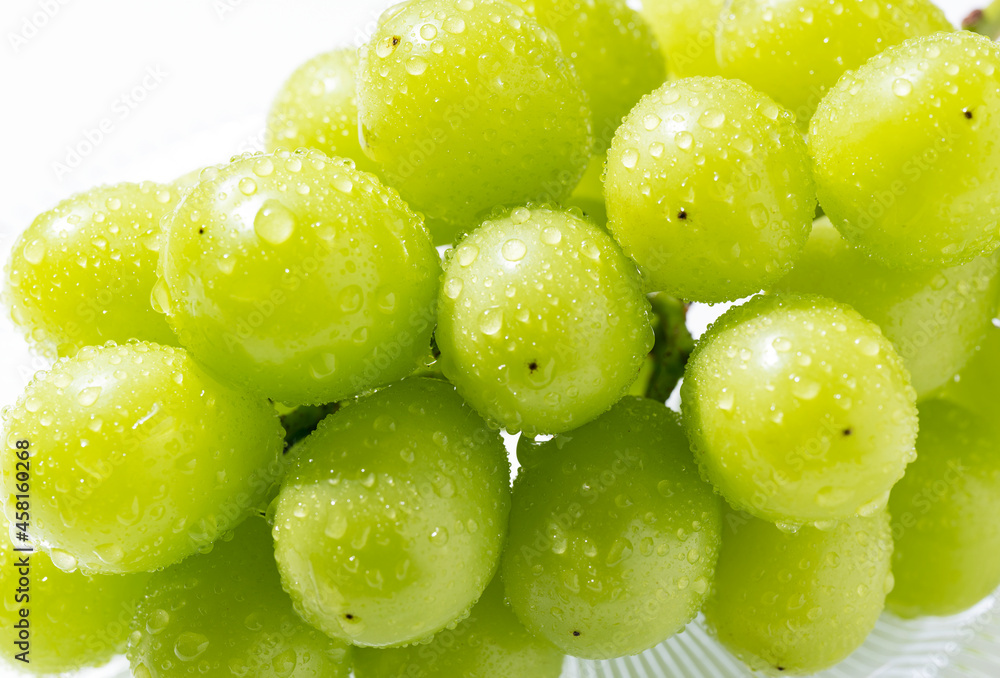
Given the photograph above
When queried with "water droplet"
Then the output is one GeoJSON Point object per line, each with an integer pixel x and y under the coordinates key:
{"type": "Point", "coordinates": [902, 87]}
{"type": "Point", "coordinates": [520, 216]}
{"type": "Point", "coordinates": [684, 140]}
{"type": "Point", "coordinates": [428, 31]}
{"type": "Point", "coordinates": [467, 254]}
{"type": "Point", "coordinates": [34, 252]}
{"type": "Point", "coordinates": [514, 250]}
{"type": "Point", "coordinates": [416, 65]}
{"type": "Point", "coordinates": [63, 560]}
{"type": "Point", "coordinates": [630, 158]}
{"type": "Point", "coordinates": [491, 321]}
{"type": "Point", "coordinates": [336, 526]}
{"type": "Point", "coordinates": [190, 646]}
{"type": "Point", "coordinates": [439, 537]}
{"type": "Point", "coordinates": [89, 395]}
{"type": "Point", "coordinates": [350, 299]}
{"type": "Point", "coordinates": [274, 222]}
{"type": "Point", "coordinates": [159, 297]}
{"type": "Point", "coordinates": [110, 553]}
{"type": "Point", "coordinates": [453, 287]}
{"type": "Point", "coordinates": [157, 621]}
{"type": "Point", "coordinates": [712, 118]}
{"type": "Point", "coordinates": [248, 186]}
{"type": "Point", "coordinates": [454, 24]}
{"type": "Point", "coordinates": [551, 236]}
{"type": "Point", "coordinates": [343, 184]}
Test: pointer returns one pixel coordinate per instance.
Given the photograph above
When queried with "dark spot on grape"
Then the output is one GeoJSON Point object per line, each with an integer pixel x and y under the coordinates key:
{"type": "Point", "coordinates": [533, 365]}
{"type": "Point", "coordinates": [201, 231]}
{"type": "Point", "coordinates": [682, 214]}
{"type": "Point", "coordinates": [780, 668]}
{"type": "Point", "coordinates": [847, 432]}
{"type": "Point", "coordinates": [348, 616]}
{"type": "Point", "coordinates": [968, 114]}
{"type": "Point", "coordinates": [396, 40]}
{"type": "Point", "coordinates": [576, 633]}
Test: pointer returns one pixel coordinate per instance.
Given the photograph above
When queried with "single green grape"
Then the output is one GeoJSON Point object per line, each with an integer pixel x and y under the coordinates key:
{"type": "Point", "coordinates": [935, 318]}
{"type": "Point", "coordinates": [686, 32]}
{"type": "Point", "coordinates": [389, 524]}
{"type": "Point", "coordinates": [796, 603]}
{"type": "Point", "coordinates": [709, 189]}
{"type": "Point", "coordinates": [318, 108]}
{"type": "Point", "coordinates": [947, 555]}
{"type": "Point", "coordinates": [490, 643]}
{"type": "Point", "coordinates": [977, 386]}
{"type": "Point", "coordinates": [796, 51]}
{"type": "Point", "coordinates": [799, 410]}
{"type": "Point", "coordinates": [527, 301]}
{"type": "Point", "coordinates": [225, 613]}
{"type": "Point", "coordinates": [589, 194]}
{"type": "Point", "coordinates": [300, 277]}
{"type": "Point", "coordinates": [81, 274]}
{"type": "Point", "coordinates": [65, 620]}
{"type": "Point", "coordinates": [613, 535]}
{"type": "Point", "coordinates": [139, 458]}
{"type": "Point", "coordinates": [613, 50]}
{"type": "Point", "coordinates": [469, 105]}
{"type": "Point", "coordinates": [903, 152]}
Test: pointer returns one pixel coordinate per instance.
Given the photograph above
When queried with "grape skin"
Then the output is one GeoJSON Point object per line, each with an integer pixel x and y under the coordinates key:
{"type": "Point", "coordinates": [613, 536]}
{"type": "Point", "coordinates": [140, 458]}
{"type": "Point", "coordinates": [947, 555]}
{"type": "Point", "coordinates": [264, 243]}
{"type": "Point", "coordinates": [75, 620]}
{"type": "Point", "coordinates": [934, 318]}
{"type": "Point", "coordinates": [317, 108]}
{"type": "Point", "coordinates": [589, 194]}
{"type": "Point", "coordinates": [81, 274]}
{"type": "Point", "coordinates": [709, 189]}
{"type": "Point", "coordinates": [613, 50]}
{"type": "Point", "coordinates": [490, 643]}
{"type": "Point", "coordinates": [526, 303]}
{"type": "Point", "coordinates": [686, 32]}
{"type": "Point", "coordinates": [977, 386]}
{"type": "Point", "coordinates": [799, 410]}
{"type": "Point", "coordinates": [794, 604]}
{"type": "Point", "coordinates": [389, 524]}
{"type": "Point", "coordinates": [441, 77]}
{"type": "Point", "coordinates": [224, 613]}
{"type": "Point", "coordinates": [903, 152]}
{"type": "Point", "coordinates": [796, 51]}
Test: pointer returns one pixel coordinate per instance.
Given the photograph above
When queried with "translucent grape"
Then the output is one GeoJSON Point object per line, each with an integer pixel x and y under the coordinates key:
{"type": "Point", "coordinates": [709, 189]}
{"type": "Point", "coordinates": [613, 50]}
{"type": "Point", "coordinates": [73, 620]}
{"type": "Point", "coordinates": [299, 277]}
{"type": "Point", "coordinates": [527, 301]}
{"type": "Point", "coordinates": [796, 51]}
{"type": "Point", "coordinates": [934, 318]}
{"type": "Point", "coordinates": [903, 152]}
{"type": "Point", "coordinates": [490, 643]}
{"type": "Point", "coordinates": [794, 604]}
{"type": "Point", "coordinates": [947, 540]}
{"type": "Point", "coordinates": [139, 457]}
{"type": "Point", "coordinates": [613, 536]}
{"type": "Point", "coordinates": [318, 108]}
{"type": "Point", "coordinates": [389, 524]}
{"type": "Point", "coordinates": [81, 274]}
{"type": "Point", "coordinates": [977, 386]}
{"type": "Point", "coordinates": [224, 613]}
{"type": "Point", "coordinates": [686, 32]}
{"type": "Point", "coordinates": [468, 105]}
{"type": "Point", "coordinates": [799, 410]}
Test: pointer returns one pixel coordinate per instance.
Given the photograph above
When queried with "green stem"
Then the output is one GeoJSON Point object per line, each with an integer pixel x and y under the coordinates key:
{"type": "Point", "coordinates": [672, 348]}
{"type": "Point", "coordinates": [985, 21]}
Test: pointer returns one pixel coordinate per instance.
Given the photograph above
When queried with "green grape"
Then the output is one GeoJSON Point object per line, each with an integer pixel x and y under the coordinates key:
{"type": "Point", "coordinates": [389, 524]}
{"type": "Point", "coordinates": [613, 50]}
{"type": "Point", "coordinates": [709, 189]}
{"type": "Point", "coordinates": [72, 620]}
{"type": "Point", "coordinates": [225, 613]}
{"type": "Point", "coordinates": [613, 536]}
{"type": "Point", "coordinates": [138, 457]}
{"type": "Point", "coordinates": [977, 386]}
{"type": "Point", "coordinates": [299, 277]}
{"type": "Point", "coordinates": [686, 31]}
{"type": "Point", "coordinates": [469, 105]}
{"type": "Point", "coordinates": [491, 643]}
{"type": "Point", "coordinates": [796, 603]}
{"type": "Point", "coordinates": [589, 194]}
{"type": "Point", "coordinates": [528, 300]}
{"type": "Point", "coordinates": [934, 318]}
{"type": "Point", "coordinates": [799, 410]}
{"type": "Point", "coordinates": [317, 108]}
{"type": "Point", "coordinates": [903, 152]}
{"type": "Point", "coordinates": [947, 555]}
{"type": "Point", "coordinates": [796, 51]}
{"type": "Point", "coordinates": [81, 274]}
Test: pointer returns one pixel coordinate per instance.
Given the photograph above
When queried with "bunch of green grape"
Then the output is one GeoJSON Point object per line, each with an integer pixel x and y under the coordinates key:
{"type": "Point", "coordinates": [271, 439]}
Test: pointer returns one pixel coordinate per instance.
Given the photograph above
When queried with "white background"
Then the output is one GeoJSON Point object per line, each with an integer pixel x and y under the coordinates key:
{"type": "Point", "coordinates": [68, 65]}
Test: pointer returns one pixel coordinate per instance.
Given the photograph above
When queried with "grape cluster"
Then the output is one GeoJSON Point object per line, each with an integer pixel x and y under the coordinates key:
{"type": "Point", "coordinates": [271, 441]}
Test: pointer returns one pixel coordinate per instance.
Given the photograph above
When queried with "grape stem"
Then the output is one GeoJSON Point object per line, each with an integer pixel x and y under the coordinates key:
{"type": "Point", "coordinates": [985, 21]}
{"type": "Point", "coordinates": [301, 421]}
{"type": "Point", "coordinates": [672, 347]}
